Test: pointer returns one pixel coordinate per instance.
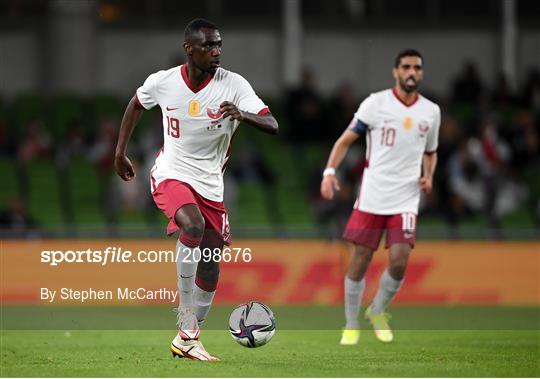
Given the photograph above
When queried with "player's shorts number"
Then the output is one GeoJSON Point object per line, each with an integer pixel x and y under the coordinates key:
{"type": "Point", "coordinates": [225, 224]}
{"type": "Point", "coordinates": [408, 221]}
{"type": "Point", "coordinates": [173, 127]}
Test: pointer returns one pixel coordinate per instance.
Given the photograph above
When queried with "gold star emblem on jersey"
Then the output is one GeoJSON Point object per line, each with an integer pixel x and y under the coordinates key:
{"type": "Point", "coordinates": [408, 123]}
{"type": "Point", "coordinates": [194, 107]}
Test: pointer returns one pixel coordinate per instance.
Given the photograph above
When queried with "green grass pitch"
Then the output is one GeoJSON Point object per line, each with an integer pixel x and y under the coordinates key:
{"type": "Point", "coordinates": [292, 352]}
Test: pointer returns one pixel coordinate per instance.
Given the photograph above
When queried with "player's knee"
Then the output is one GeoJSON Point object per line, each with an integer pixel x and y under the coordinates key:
{"type": "Point", "coordinates": [194, 229]}
{"type": "Point", "coordinates": [208, 270]}
{"type": "Point", "coordinates": [190, 220]}
{"type": "Point", "coordinates": [207, 276]}
{"type": "Point", "coordinates": [397, 270]}
{"type": "Point", "coordinates": [193, 224]}
{"type": "Point", "coordinates": [362, 253]}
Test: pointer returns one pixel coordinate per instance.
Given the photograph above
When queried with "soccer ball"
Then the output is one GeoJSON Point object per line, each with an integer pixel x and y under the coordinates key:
{"type": "Point", "coordinates": [252, 324]}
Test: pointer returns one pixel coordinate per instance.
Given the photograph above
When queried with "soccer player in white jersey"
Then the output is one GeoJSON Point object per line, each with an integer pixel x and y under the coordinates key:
{"type": "Point", "coordinates": [202, 105]}
{"type": "Point", "coordinates": [402, 129]}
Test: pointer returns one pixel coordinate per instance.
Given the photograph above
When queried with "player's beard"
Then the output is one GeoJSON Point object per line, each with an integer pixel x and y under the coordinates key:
{"type": "Point", "coordinates": [407, 87]}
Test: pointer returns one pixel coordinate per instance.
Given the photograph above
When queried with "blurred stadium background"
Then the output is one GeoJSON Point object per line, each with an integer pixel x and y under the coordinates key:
{"type": "Point", "coordinates": [70, 67]}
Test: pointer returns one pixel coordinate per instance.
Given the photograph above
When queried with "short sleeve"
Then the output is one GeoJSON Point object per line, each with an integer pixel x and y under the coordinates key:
{"type": "Point", "coordinates": [247, 99]}
{"type": "Point", "coordinates": [367, 110]}
{"type": "Point", "coordinates": [146, 94]}
{"type": "Point", "coordinates": [432, 141]}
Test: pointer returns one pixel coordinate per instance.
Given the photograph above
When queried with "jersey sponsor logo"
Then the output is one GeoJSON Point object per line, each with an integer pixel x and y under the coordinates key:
{"type": "Point", "coordinates": [213, 113]}
{"type": "Point", "coordinates": [408, 123]}
{"type": "Point", "coordinates": [194, 108]}
{"type": "Point", "coordinates": [172, 109]}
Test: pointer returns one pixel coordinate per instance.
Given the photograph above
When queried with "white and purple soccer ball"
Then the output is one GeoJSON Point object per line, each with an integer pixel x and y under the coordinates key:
{"type": "Point", "coordinates": [252, 324]}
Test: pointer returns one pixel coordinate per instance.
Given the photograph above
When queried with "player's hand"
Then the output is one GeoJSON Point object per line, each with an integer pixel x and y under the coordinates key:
{"type": "Point", "coordinates": [228, 109]}
{"type": "Point", "coordinates": [329, 184]}
{"type": "Point", "coordinates": [124, 168]}
{"type": "Point", "coordinates": [426, 184]}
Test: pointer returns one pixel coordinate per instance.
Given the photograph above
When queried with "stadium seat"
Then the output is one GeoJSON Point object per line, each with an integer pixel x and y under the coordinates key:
{"type": "Point", "coordinates": [149, 119]}
{"type": "Point", "coordinates": [86, 195]}
{"type": "Point", "coordinates": [107, 106]}
{"type": "Point", "coordinates": [3, 111]}
{"type": "Point", "coordinates": [251, 209]}
{"type": "Point", "coordinates": [9, 187]}
{"type": "Point", "coordinates": [44, 201]}
{"type": "Point", "coordinates": [66, 110]}
{"type": "Point", "coordinates": [24, 109]}
{"type": "Point", "coordinates": [292, 203]}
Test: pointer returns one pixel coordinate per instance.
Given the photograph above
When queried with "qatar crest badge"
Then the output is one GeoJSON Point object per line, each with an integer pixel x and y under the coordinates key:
{"type": "Point", "coordinates": [423, 126]}
{"type": "Point", "coordinates": [213, 112]}
{"type": "Point", "coordinates": [194, 108]}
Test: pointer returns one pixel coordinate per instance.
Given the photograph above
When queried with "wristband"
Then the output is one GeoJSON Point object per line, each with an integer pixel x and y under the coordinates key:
{"type": "Point", "coordinates": [329, 171]}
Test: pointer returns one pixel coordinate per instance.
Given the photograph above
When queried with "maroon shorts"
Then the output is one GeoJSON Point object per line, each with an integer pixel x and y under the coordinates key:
{"type": "Point", "coordinates": [366, 229]}
{"type": "Point", "coordinates": [170, 195]}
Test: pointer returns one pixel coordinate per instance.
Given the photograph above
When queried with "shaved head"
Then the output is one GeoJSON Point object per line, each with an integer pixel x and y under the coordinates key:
{"type": "Point", "coordinates": [194, 27]}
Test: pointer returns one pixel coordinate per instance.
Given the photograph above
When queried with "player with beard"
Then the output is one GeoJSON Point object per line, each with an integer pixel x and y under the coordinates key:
{"type": "Point", "coordinates": [202, 105]}
{"type": "Point", "coordinates": [402, 129]}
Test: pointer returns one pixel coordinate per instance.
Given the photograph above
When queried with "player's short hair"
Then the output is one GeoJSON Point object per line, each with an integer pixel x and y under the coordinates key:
{"type": "Point", "coordinates": [407, 53]}
{"type": "Point", "coordinates": [197, 24]}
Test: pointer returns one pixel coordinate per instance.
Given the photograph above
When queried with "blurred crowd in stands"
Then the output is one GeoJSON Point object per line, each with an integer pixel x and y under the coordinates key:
{"type": "Point", "coordinates": [489, 161]}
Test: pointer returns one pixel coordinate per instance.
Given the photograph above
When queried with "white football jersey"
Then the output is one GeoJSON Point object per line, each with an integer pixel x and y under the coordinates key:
{"type": "Point", "coordinates": [397, 137]}
{"type": "Point", "coordinates": [195, 134]}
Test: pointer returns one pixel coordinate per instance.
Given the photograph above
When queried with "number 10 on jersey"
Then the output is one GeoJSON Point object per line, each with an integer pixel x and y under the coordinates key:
{"type": "Point", "coordinates": [388, 136]}
{"type": "Point", "coordinates": [173, 127]}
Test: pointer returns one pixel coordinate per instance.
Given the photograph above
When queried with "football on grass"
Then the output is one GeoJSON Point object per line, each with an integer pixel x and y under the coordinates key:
{"type": "Point", "coordinates": [252, 324]}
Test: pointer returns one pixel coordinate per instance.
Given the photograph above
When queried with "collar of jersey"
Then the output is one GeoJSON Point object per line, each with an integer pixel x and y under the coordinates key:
{"type": "Point", "coordinates": [183, 71]}
{"type": "Point", "coordinates": [404, 103]}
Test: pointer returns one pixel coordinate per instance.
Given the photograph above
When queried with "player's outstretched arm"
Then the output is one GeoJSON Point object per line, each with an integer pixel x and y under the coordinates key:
{"type": "Point", "coordinates": [132, 115]}
{"type": "Point", "coordinates": [265, 123]}
{"type": "Point", "coordinates": [429, 164]}
{"type": "Point", "coordinates": [329, 182]}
